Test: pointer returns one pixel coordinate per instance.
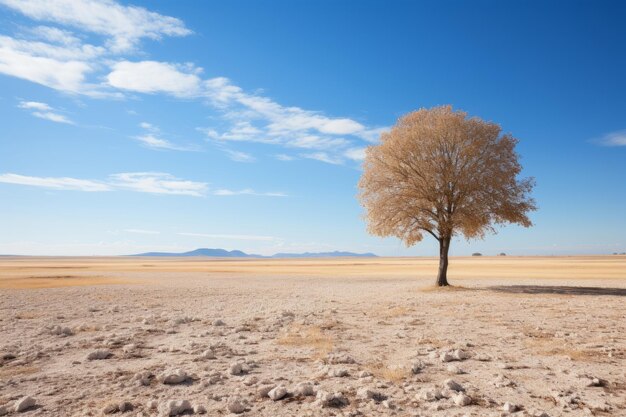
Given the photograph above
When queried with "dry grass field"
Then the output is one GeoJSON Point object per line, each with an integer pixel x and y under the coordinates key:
{"type": "Point", "coordinates": [526, 336]}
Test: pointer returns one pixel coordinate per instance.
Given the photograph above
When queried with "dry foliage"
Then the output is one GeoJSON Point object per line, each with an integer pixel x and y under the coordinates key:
{"type": "Point", "coordinates": [309, 336]}
{"type": "Point", "coordinates": [393, 374]}
{"type": "Point", "coordinates": [439, 172]}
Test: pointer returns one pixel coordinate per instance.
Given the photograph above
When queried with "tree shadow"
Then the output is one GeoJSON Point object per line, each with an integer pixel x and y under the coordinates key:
{"type": "Point", "coordinates": [558, 289]}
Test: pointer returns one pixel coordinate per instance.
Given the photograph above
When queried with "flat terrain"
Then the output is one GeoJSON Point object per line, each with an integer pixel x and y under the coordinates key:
{"type": "Point", "coordinates": [344, 337]}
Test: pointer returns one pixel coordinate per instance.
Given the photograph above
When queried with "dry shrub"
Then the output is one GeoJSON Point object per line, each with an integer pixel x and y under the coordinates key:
{"type": "Point", "coordinates": [27, 315]}
{"type": "Point", "coordinates": [556, 347]}
{"type": "Point", "coordinates": [393, 374]}
{"type": "Point", "coordinates": [13, 371]}
{"type": "Point", "coordinates": [308, 336]}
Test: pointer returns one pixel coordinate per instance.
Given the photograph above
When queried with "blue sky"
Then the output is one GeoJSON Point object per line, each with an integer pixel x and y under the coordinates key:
{"type": "Point", "coordinates": [136, 126]}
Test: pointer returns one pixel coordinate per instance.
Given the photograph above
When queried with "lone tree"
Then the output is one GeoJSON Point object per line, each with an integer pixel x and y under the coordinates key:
{"type": "Point", "coordinates": [440, 172]}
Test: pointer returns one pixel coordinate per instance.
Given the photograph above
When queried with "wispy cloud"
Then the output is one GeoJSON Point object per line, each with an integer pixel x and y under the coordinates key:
{"type": "Point", "coordinates": [153, 140]}
{"type": "Point", "coordinates": [142, 182]}
{"type": "Point", "coordinates": [284, 157]}
{"type": "Point", "coordinates": [227, 236]}
{"type": "Point", "coordinates": [142, 231]}
{"type": "Point", "coordinates": [323, 157]}
{"type": "Point", "coordinates": [44, 111]}
{"type": "Point", "coordinates": [157, 183]}
{"type": "Point", "coordinates": [124, 26]}
{"type": "Point", "coordinates": [617, 138]}
{"type": "Point", "coordinates": [239, 156]}
{"type": "Point", "coordinates": [56, 183]}
{"type": "Point", "coordinates": [248, 191]}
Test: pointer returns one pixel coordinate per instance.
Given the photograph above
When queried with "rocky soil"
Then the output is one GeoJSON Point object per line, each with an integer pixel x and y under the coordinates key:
{"type": "Point", "coordinates": [193, 344]}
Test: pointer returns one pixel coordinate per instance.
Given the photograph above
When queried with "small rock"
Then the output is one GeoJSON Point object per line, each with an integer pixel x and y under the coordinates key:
{"type": "Point", "coordinates": [218, 322]}
{"type": "Point", "coordinates": [236, 368]}
{"type": "Point", "coordinates": [509, 407]}
{"type": "Point", "coordinates": [208, 354]}
{"type": "Point", "coordinates": [417, 366]}
{"type": "Point", "coordinates": [453, 385]}
{"type": "Point", "coordinates": [99, 355]}
{"type": "Point", "coordinates": [199, 409]}
{"type": "Point", "coordinates": [3, 410]}
{"type": "Point", "coordinates": [334, 399]}
{"type": "Point", "coordinates": [429, 394]}
{"type": "Point", "coordinates": [453, 369]}
{"type": "Point", "coordinates": [368, 394]}
{"type": "Point", "coordinates": [24, 404]}
{"type": "Point", "coordinates": [462, 400]}
{"type": "Point", "coordinates": [176, 376]}
{"type": "Point", "coordinates": [250, 380]}
{"type": "Point", "coordinates": [338, 373]}
{"type": "Point", "coordinates": [235, 405]}
{"type": "Point", "coordinates": [175, 408]}
{"type": "Point", "coordinates": [305, 389]}
{"type": "Point", "coordinates": [264, 390]}
{"type": "Point", "coordinates": [277, 393]}
{"type": "Point", "coordinates": [447, 357]}
{"type": "Point", "coordinates": [389, 404]}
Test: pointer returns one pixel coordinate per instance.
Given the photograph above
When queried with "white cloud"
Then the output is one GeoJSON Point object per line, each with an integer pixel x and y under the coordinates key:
{"type": "Point", "coordinates": [323, 157]}
{"type": "Point", "coordinates": [356, 154]}
{"type": "Point", "coordinates": [284, 157]}
{"type": "Point", "coordinates": [247, 191]}
{"type": "Point", "coordinates": [64, 75]}
{"type": "Point", "coordinates": [239, 156]}
{"type": "Point", "coordinates": [151, 141]}
{"type": "Point", "coordinates": [144, 182]}
{"type": "Point", "coordinates": [43, 111]}
{"type": "Point", "coordinates": [123, 25]}
{"type": "Point", "coordinates": [155, 77]}
{"type": "Point", "coordinates": [233, 237]}
{"type": "Point", "coordinates": [142, 231]}
{"type": "Point", "coordinates": [617, 138]}
{"type": "Point", "coordinates": [157, 183]}
{"type": "Point", "coordinates": [58, 183]}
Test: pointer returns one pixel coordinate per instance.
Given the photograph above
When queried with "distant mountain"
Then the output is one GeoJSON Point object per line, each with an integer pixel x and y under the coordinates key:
{"type": "Point", "coordinates": [335, 254]}
{"type": "Point", "coordinates": [223, 253]}
{"type": "Point", "coordinates": [213, 253]}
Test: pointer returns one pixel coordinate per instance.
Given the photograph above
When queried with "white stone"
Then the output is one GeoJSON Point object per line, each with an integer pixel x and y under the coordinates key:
{"type": "Point", "coordinates": [235, 405]}
{"type": "Point", "coordinates": [208, 354]}
{"type": "Point", "coordinates": [462, 400]}
{"type": "Point", "coordinates": [235, 368]}
{"type": "Point", "coordinates": [175, 408]}
{"type": "Point", "coordinates": [176, 376]}
{"type": "Point", "coordinates": [331, 399]}
{"type": "Point", "coordinates": [199, 409]}
{"type": "Point", "coordinates": [338, 372]}
{"type": "Point", "coordinates": [24, 404]}
{"type": "Point", "coordinates": [277, 393]}
{"type": "Point", "coordinates": [509, 407]}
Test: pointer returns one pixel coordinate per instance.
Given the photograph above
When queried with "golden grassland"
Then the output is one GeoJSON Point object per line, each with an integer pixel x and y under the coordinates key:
{"type": "Point", "coordinates": [52, 272]}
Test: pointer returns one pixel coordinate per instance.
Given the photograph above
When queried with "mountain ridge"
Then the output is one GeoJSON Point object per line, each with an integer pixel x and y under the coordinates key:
{"type": "Point", "coordinates": [223, 253]}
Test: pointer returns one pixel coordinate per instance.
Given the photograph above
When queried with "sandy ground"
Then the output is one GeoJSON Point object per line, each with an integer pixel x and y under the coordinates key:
{"type": "Point", "coordinates": [343, 337]}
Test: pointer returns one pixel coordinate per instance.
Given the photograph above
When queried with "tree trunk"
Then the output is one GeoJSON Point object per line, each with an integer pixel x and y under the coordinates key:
{"type": "Point", "coordinates": [442, 276]}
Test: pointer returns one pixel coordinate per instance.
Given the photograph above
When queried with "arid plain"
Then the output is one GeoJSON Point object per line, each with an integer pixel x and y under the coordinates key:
{"type": "Point", "coordinates": [525, 336]}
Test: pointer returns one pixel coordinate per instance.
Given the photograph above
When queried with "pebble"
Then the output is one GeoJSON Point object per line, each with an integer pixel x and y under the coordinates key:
{"type": "Point", "coordinates": [61, 331]}
{"type": "Point", "coordinates": [331, 399]}
{"type": "Point", "coordinates": [235, 405]}
{"type": "Point", "coordinates": [176, 376]}
{"type": "Point", "coordinates": [368, 394]}
{"type": "Point", "coordinates": [510, 407]}
{"type": "Point", "coordinates": [462, 400]}
{"type": "Point", "coordinates": [453, 369]}
{"type": "Point", "coordinates": [218, 322]}
{"type": "Point", "coordinates": [99, 355]}
{"type": "Point", "coordinates": [236, 368]}
{"type": "Point", "coordinates": [199, 409]}
{"type": "Point", "coordinates": [453, 385]}
{"type": "Point", "coordinates": [24, 404]}
{"type": "Point", "coordinates": [277, 393]}
{"type": "Point", "coordinates": [175, 408]}
{"type": "Point", "coordinates": [264, 390]}
{"type": "Point", "coordinates": [338, 373]}
{"type": "Point", "coordinates": [305, 389]}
